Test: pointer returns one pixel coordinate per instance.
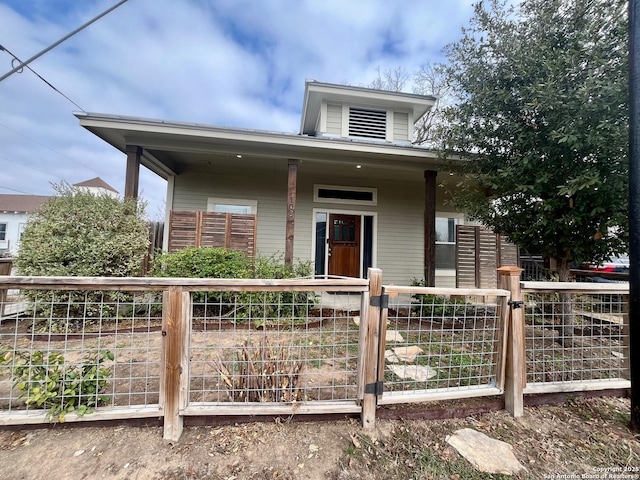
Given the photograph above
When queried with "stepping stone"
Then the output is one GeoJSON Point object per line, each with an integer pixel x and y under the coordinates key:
{"type": "Point", "coordinates": [485, 453]}
{"type": "Point", "coordinates": [419, 373]}
{"type": "Point", "coordinates": [391, 357]}
{"type": "Point", "coordinates": [407, 354]}
{"type": "Point", "coordinates": [393, 336]}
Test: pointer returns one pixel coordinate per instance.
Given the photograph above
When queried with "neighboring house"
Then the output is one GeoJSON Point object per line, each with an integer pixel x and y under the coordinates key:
{"type": "Point", "coordinates": [96, 186]}
{"type": "Point", "coordinates": [15, 211]}
{"type": "Point", "coordinates": [348, 192]}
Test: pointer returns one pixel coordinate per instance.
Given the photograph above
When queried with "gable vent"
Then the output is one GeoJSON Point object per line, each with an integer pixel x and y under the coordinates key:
{"type": "Point", "coordinates": [364, 122]}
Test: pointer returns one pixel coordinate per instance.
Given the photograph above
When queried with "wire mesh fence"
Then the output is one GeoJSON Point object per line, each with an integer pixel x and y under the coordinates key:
{"type": "Point", "coordinates": [67, 351]}
{"type": "Point", "coordinates": [442, 342]}
{"type": "Point", "coordinates": [576, 337]}
{"type": "Point", "coordinates": [273, 347]}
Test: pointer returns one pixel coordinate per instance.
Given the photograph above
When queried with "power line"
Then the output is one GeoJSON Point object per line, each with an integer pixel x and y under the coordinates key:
{"type": "Point", "coordinates": [29, 166]}
{"type": "Point", "coordinates": [14, 190]}
{"type": "Point", "coordinates": [66, 37]}
{"type": "Point", "coordinates": [49, 148]}
{"type": "Point", "coordinates": [2, 48]}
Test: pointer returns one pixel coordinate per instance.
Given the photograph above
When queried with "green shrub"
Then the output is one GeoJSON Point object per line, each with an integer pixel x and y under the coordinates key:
{"type": "Point", "coordinates": [46, 381]}
{"type": "Point", "coordinates": [77, 233]}
{"type": "Point", "coordinates": [218, 262]}
{"type": "Point", "coordinates": [428, 305]}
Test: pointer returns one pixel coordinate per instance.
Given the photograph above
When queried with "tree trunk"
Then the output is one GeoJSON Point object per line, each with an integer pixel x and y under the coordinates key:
{"type": "Point", "coordinates": [566, 310]}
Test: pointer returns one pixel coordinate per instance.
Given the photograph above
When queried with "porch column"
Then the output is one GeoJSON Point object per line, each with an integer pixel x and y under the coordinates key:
{"type": "Point", "coordinates": [291, 210]}
{"type": "Point", "coordinates": [430, 227]}
{"type": "Point", "coordinates": [132, 177]}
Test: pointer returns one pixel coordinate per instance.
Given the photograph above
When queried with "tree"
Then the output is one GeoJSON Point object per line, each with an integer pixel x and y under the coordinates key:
{"type": "Point", "coordinates": [427, 80]}
{"type": "Point", "coordinates": [541, 117]}
{"type": "Point", "coordinates": [81, 234]}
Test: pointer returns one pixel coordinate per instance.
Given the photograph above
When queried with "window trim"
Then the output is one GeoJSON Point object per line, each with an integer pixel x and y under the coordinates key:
{"type": "Point", "coordinates": [459, 220]}
{"type": "Point", "coordinates": [343, 201]}
{"type": "Point", "coordinates": [241, 202]}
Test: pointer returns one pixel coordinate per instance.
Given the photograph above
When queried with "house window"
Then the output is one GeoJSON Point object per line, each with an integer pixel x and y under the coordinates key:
{"type": "Point", "coordinates": [232, 205]}
{"type": "Point", "coordinates": [345, 195]}
{"type": "Point", "coordinates": [3, 231]}
{"type": "Point", "coordinates": [367, 123]}
{"type": "Point", "coordinates": [446, 242]}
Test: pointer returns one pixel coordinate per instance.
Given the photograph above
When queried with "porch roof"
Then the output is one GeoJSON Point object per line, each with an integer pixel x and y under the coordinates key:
{"type": "Point", "coordinates": [167, 145]}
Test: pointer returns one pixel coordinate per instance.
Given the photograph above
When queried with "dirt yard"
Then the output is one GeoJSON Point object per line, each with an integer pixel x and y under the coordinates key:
{"type": "Point", "coordinates": [582, 436]}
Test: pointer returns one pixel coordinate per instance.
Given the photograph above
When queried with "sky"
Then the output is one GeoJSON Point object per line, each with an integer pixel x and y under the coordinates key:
{"type": "Point", "coordinates": [232, 63]}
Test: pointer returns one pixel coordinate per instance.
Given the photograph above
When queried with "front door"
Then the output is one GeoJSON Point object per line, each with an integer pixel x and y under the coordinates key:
{"type": "Point", "coordinates": [344, 245]}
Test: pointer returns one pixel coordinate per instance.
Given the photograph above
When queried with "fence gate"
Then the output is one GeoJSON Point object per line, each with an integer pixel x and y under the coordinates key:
{"type": "Point", "coordinates": [440, 343]}
{"type": "Point", "coordinates": [479, 253]}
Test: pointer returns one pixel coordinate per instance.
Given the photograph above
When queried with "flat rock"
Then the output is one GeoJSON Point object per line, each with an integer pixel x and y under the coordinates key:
{"type": "Point", "coordinates": [356, 320]}
{"type": "Point", "coordinates": [393, 336]}
{"type": "Point", "coordinates": [419, 373]}
{"type": "Point", "coordinates": [391, 357]}
{"type": "Point", "coordinates": [485, 453]}
{"type": "Point", "coordinates": [407, 354]}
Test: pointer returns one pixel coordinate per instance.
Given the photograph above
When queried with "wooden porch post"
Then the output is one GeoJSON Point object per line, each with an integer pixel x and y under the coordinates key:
{"type": "Point", "coordinates": [430, 227]}
{"type": "Point", "coordinates": [132, 178]}
{"type": "Point", "coordinates": [291, 211]}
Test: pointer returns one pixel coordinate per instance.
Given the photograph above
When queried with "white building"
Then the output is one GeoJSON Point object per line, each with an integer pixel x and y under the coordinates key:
{"type": "Point", "coordinates": [15, 211]}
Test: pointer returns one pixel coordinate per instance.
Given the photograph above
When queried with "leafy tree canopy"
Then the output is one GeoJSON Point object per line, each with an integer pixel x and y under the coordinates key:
{"type": "Point", "coordinates": [541, 116]}
{"type": "Point", "coordinates": [80, 234]}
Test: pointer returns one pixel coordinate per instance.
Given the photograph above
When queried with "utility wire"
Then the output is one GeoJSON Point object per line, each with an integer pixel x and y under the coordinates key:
{"type": "Point", "coordinates": [49, 148]}
{"type": "Point", "coordinates": [14, 190]}
{"type": "Point", "coordinates": [66, 37]}
{"type": "Point", "coordinates": [2, 48]}
{"type": "Point", "coordinates": [29, 166]}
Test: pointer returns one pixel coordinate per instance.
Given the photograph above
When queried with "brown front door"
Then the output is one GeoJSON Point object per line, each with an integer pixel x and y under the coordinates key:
{"type": "Point", "coordinates": [344, 245]}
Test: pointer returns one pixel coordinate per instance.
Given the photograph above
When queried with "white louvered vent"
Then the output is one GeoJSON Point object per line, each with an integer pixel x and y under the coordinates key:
{"type": "Point", "coordinates": [368, 123]}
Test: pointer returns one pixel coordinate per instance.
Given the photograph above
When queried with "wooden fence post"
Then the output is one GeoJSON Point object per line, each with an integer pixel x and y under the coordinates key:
{"type": "Point", "coordinates": [516, 367]}
{"type": "Point", "coordinates": [370, 326]}
{"type": "Point", "coordinates": [176, 312]}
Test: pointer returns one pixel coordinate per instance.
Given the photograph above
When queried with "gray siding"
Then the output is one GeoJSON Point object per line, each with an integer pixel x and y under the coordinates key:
{"type": "Point", "coordinates": [268, 187]}
{"type": "Point", "coordinates": [399, 209]}
{"type": "Point", "coordinates": [400, 126]}
{"type": "Point", "coordinates": [334, 118]}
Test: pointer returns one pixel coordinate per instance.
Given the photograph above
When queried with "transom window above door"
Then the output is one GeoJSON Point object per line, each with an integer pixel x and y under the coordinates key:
{"type": "Point", "coordinates": [345, 195]}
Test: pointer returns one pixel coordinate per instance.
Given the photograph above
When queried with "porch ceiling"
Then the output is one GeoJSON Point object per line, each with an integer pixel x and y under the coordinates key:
{"type": "Point", "coordinates": [169, 148]}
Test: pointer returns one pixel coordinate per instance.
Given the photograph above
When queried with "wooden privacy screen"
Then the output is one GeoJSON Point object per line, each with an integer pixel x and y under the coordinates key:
{"type": "Point", "coordinates": [209, 229]}
{"type": "Point", "coordinates": [479, 253]}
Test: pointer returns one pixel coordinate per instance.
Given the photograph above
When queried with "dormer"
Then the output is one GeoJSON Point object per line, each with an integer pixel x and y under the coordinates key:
{"type": "Point", "coordinates": [365, 114]}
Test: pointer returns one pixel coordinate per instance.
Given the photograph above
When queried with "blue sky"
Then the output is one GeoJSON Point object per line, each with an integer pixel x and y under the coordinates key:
{"type": "Point", "coordinates": [235, 63]}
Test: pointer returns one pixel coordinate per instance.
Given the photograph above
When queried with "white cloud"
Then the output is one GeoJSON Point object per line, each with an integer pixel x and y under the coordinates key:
{"type": "Point", "coordinates": [234, 63]}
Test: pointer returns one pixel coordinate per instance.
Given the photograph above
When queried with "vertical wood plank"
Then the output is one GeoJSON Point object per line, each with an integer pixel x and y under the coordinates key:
{"type": "Point", "coordinates": [227, 230]}
{"type": "Point", "coordinates": [372, 327]}
{"type": "Point", "coordinates": [362, 344]}
{"type": "Point", "coordinates": [292, 188]}
{"type": "Point", "coordinates": [430, 227]}
{"type": "Point", "coordinates": [185, 319]}
{"type": "Point", "coordinates": [501, 339]}
{"type": "Point", "coordinates": [132, 173]}
{"type": "Point", "coordinates": [515, 371]}
{"type": "Point", "coordinates": [382, 344]}
{"type": "Point", "coordinates": [199, 222]}
{"type": "Point", "coordinates": [172, 343]}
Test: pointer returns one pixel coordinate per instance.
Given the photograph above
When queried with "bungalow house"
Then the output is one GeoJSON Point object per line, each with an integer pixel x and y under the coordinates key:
{"type": "Point", "coordinates": [15, 211]}
{"type": "Point", "coordinates": [347, 192]}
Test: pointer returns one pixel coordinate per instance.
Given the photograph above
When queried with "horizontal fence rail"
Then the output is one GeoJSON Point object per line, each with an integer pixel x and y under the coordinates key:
{"type": "Point", "coordinates": [576, 336]}
{"type": "Point", "coordinates": [442, 343]}
{"type": "Point", "coordinates": [84, 348]}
